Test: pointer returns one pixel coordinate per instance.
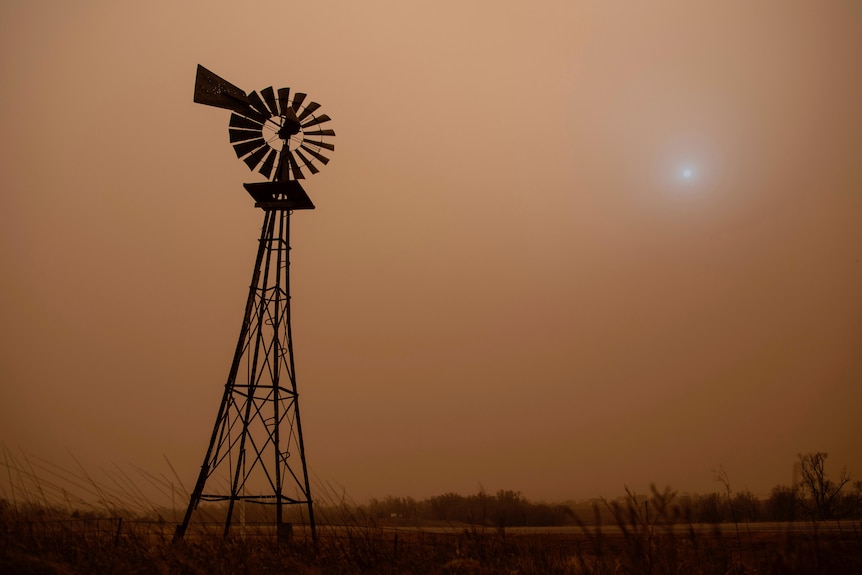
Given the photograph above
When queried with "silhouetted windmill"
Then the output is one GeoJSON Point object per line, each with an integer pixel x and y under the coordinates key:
{"type": "Point", "coordinates": [256, 453]}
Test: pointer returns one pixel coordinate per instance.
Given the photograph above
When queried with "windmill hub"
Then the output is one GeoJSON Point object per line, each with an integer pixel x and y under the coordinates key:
{"type": "Point", "coordinates": [290, 128]}
{"type": "Point", "coordinates": [274, 133]}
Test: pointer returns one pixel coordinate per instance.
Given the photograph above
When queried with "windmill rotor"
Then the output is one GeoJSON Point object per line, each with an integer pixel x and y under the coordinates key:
{"type": "Point", "coordinates": [277, 133]}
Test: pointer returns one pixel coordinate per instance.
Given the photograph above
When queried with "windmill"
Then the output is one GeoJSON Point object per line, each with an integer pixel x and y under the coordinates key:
{"type": "Point", "coordinates": [256, 454]}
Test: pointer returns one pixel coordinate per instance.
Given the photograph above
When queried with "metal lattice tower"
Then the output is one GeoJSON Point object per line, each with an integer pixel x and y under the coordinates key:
{"type": "Point", "coordinates": [256, 454]}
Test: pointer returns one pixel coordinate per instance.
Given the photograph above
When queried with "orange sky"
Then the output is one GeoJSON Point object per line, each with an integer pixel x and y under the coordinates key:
{"type": "Point", "coordinates": [507, 281]}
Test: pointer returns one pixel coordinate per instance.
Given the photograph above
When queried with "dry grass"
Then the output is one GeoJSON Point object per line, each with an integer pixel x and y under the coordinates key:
{"type": "Point", "coordinates": [42, 534]}
{"type": "Point", "coordinates": [643, 541]}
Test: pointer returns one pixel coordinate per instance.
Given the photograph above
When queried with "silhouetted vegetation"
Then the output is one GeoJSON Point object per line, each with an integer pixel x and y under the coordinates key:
{"type": "Point", "coordinates": [655, 533]}
{"type": "Point", "coordinates": [824, 498]}
{"type": "Point", "coordinates": [815, 498]}
{"type": "Point", "coordinates": [646, 536]}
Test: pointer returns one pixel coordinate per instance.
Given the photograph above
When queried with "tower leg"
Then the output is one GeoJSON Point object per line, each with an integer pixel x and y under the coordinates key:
{"type": "Point", "coordinates": [257, 436]}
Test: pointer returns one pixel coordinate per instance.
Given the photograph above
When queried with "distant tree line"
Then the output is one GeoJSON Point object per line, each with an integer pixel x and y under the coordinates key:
{"type": "Point", "coordinates": [503, 509]}
{"type": "Point", "coordinates": [815, 497]}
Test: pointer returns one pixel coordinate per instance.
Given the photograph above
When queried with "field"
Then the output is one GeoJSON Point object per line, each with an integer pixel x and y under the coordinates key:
{"type": "Point", "coordinates": [32, 542]}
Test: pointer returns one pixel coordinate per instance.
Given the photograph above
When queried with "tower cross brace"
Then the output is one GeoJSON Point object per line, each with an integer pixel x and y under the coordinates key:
{"type": "Point", "coordinates": [256, 454]}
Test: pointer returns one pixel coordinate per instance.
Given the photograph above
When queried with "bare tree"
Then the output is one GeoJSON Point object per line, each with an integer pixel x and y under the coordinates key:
{"type": "Point", "coordinates": [825, 494]}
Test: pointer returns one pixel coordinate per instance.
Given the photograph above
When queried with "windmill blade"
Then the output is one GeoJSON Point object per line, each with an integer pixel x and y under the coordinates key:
{"type": "Point", "coordinates": [237, 121]}
{"type": "Point", "coordinates": [255, 157]}
{"type": "Point", "coordinates": [244, 148]}
{"type": "Point", "coordinates": [266, 167]}
{"type": "Point", "coordinates": [321, 133]}
{"type": "Point", "coordinates": [320, 157]}
{"type": "Point", "coordinates": [256, 115]}
{"type": "Point", "coordinates": [253, 114]}
{"type": "Point", "coordinates": [316, 121]}
{"type": "Point", "coordinates": [294, 167]}
{"type": "Point", "coordinates": [283, 99]}
{"type": "Point", "coordinates": [269, 97]}
{"type": "Point", "coordinates": [307, 162]}
{"type": "Point", "coordinates": [308, 110]}
{"type": "Point", "coordinates": [258, 105]}
{"type": "Point", "coordinates": [298, 98]}
{"type": "Point", "coordinates": [329, 147]}
{"type": "Point", "coordinates": [243, 135]}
